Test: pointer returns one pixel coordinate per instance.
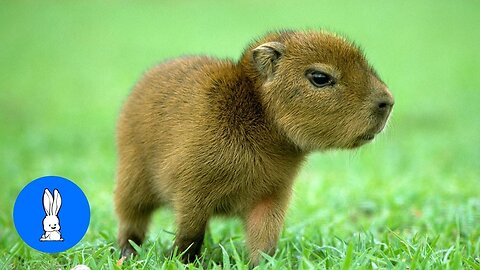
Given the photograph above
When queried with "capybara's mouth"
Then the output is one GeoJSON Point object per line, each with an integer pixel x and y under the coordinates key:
{"type": "Point", "coordinates": [367, 137]}
{"type": "Point", "coordinates": [361, 140]}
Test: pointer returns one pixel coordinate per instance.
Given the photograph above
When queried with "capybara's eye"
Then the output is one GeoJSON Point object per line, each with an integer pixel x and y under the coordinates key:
{"type": "Point", "coordinates": [319, 79]}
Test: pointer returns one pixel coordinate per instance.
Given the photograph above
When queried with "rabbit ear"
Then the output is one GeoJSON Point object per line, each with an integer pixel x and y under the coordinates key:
{"type": "Point", "coordinates": [57, 202]}
{"type": "Point", "coordinates": [47, 202]}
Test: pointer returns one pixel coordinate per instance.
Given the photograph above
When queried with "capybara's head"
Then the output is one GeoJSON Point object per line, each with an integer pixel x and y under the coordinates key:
{"type": "Point", "coordinates": [319, 89]}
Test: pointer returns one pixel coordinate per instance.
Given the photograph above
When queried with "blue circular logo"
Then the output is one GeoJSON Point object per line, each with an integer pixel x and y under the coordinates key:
{"type": "Point", "coordinates": [51, 214]}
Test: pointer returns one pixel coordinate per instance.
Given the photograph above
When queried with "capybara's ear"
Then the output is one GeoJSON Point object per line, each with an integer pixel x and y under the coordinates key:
{"type": "Point", "coordinates": [266, 56]}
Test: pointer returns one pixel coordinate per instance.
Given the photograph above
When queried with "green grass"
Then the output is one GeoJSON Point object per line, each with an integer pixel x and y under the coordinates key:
{"type": "Point", "coordinates": [410, 200]}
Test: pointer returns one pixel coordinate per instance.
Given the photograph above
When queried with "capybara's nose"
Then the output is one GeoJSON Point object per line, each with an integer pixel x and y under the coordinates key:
{"type": "Point", "coordinates": [384, 103]}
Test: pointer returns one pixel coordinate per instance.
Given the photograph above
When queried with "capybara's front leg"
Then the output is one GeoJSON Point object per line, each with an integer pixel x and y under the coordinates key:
{"type": "Point", "coordinates": [264, 224]}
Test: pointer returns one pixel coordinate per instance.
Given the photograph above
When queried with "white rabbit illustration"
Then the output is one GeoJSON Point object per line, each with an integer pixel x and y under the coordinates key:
{"type": "Point", "coordinates": [51, 223]}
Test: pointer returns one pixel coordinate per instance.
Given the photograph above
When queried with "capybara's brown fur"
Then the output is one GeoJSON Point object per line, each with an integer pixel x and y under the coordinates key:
{"type": "Point", "coordinates": [210, 136]}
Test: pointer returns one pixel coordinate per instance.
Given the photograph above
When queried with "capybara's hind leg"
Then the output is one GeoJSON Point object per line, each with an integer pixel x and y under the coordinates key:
{"type": "Point", "coordinates": [134, 204]}
{"type": "Point", "coordinates": [191, 224]}
{"type": "Point", "coordinates": [133, 226]}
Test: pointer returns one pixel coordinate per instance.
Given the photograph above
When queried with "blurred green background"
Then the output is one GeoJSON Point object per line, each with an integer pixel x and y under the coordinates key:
{"type": "Point", "coordinates": [66, 67]}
